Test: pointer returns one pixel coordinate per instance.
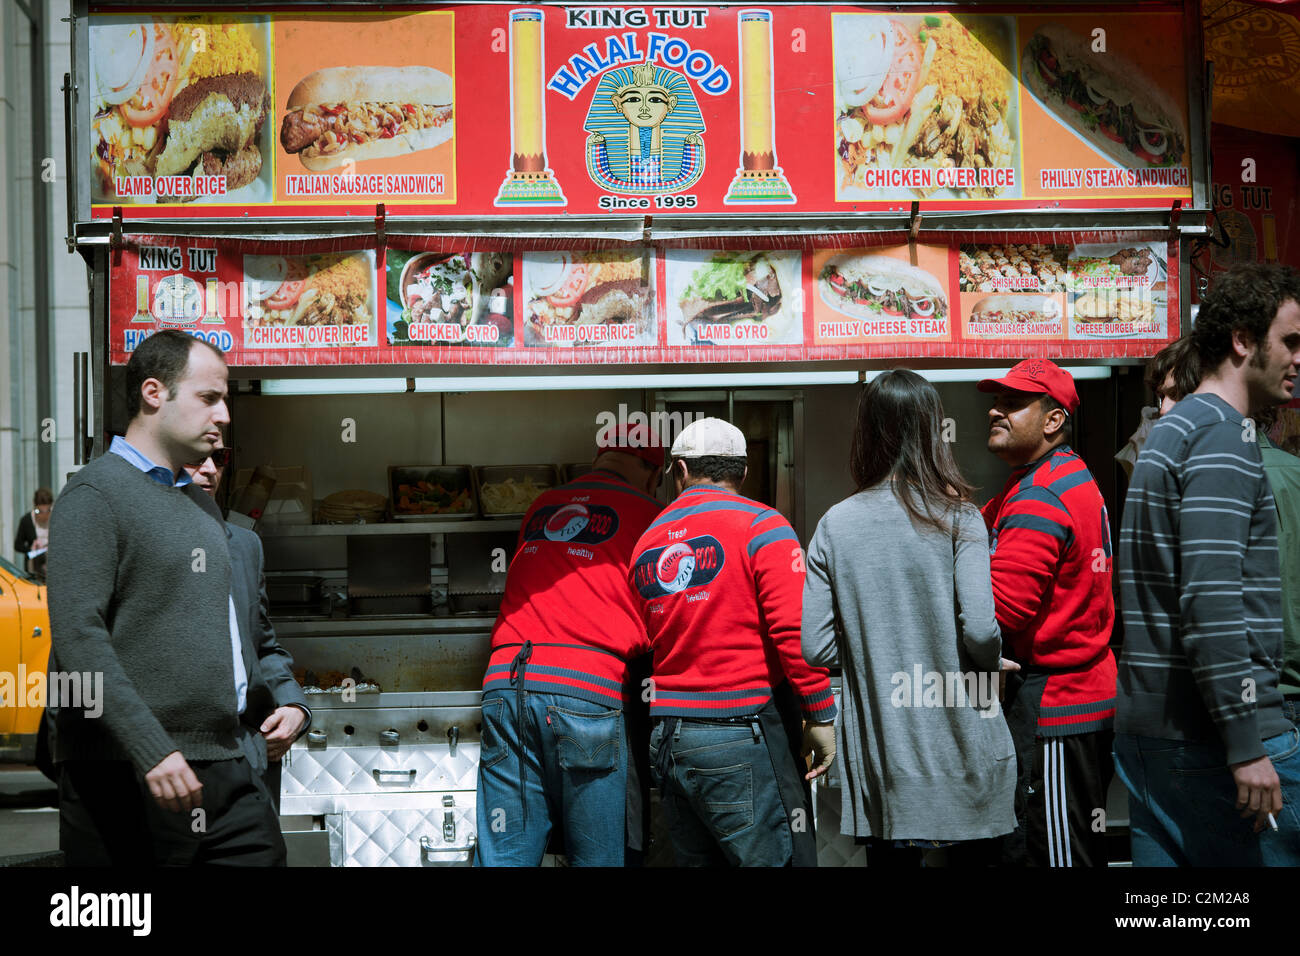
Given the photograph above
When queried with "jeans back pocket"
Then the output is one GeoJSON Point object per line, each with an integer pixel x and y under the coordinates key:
{"type": "Point", "coordinates": [586, 741]}
{"type": "Point", "coordinates": [727, 794]}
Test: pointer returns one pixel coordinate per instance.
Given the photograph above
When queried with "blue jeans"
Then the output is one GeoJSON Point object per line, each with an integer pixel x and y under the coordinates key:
{"type": "Point", "coordinates": [1182, 804]}
{"type": "Point", "coordinates": [720, 796]}
{"type": "Point", "coordinates": [574, 777]}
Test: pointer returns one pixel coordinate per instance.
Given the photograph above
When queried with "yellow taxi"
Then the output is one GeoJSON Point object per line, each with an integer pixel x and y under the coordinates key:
{"type": "Point", "coordinates": [24, 655]}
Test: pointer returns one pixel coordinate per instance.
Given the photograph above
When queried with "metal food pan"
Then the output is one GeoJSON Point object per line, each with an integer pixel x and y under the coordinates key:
{"type": "Point", "coordinates": [449, 476]}
{"type": "Point", "coordinates": [487, 475]}
{"type": "Point", "coordinates": [576, 470]}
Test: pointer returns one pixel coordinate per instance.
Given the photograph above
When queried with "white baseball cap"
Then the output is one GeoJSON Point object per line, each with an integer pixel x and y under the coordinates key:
{"type": "Point", "coordinates": [709, 436]}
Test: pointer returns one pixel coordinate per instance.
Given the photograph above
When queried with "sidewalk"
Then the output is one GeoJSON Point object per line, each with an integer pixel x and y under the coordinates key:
{"type": "Point", "coordinates": [29, 816]}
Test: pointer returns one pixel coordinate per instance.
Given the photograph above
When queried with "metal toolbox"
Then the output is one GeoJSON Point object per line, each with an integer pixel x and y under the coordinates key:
{"type": "Point", "coordinates": [395, 783]}
{"type": "Point", "coordinates": [390, 777]}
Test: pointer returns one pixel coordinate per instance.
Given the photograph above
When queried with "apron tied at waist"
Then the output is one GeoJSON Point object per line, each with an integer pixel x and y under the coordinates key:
{"type": "Point", "coordinates": [518, 677]}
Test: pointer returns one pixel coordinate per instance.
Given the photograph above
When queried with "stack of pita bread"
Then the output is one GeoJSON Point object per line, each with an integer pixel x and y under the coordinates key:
{"type": "Point", "coordinates": [355, 506]}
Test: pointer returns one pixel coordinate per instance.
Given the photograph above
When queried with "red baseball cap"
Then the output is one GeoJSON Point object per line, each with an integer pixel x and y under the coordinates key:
{"type": "Point", "coordinates": [1039, 376]}
{"type": "Point", "coordinates": [639, 440]}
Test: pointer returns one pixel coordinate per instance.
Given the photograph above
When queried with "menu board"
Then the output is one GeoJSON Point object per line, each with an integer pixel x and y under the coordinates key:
{"type": "Point", "coordinates": [490, 110]}
{"type": "Point", "coordinates": [439, 300]}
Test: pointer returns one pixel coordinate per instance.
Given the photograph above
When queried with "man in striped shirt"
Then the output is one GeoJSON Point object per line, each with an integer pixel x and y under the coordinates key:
{"type": "Point", "coordinates": [1051, 567]}
{"type": "Point", "coordinates": [1201, 734]}
{"type": "Point", "coordinates": [718, 580]}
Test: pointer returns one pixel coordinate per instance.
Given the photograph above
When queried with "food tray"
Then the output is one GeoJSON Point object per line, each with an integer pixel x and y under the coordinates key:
{"type": "Point", "coordinates": [453, 478]}
{"type": "Point", "coordinates": [576, 470]}
{"type": "Point", "coordinates": [487, 475]}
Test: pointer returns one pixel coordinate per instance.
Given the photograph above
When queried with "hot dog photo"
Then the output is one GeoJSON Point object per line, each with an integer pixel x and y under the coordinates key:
{"type": "Point", "coordinates": [370, 116]}
{"type": "Point", "coordinates": [180, 109]}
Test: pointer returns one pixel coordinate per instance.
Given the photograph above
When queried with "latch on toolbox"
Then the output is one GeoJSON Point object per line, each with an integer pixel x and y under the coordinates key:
{"type": "Point", "coordinates": [448, 819]}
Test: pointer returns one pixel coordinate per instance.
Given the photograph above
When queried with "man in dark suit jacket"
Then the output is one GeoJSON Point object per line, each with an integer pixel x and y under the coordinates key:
{"type": "Point", "coordinates": [276, 712]}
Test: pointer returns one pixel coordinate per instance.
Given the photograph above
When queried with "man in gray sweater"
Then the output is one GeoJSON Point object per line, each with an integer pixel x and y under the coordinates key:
{"type": "Point", "coordinates": [139, 592]}
{"type": "Point", "coordinates": [1201, 737]}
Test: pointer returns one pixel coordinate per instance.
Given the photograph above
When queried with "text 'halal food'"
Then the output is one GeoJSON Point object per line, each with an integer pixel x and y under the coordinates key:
{"type": "Point", "coordinates": [179, 109]}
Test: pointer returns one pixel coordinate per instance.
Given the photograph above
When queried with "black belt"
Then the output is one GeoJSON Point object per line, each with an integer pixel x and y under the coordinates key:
{"type": "Point", "coordinates": [672, 728]}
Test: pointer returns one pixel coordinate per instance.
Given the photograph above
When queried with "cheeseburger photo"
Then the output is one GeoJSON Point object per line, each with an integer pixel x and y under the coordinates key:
{"type": "Point", "coordinates": [352, 114]}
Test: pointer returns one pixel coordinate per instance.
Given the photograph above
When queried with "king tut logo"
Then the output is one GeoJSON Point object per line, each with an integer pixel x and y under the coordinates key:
{"type": "Point", "coordinates": [645, 128]}
{"type": "Point", "coordinates": [584, 524]}
{"type": "Point", "coordinates": [682, 565]}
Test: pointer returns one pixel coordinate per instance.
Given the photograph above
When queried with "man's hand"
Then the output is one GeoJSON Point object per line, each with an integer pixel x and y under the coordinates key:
{"type": "Point", "coordinates": [1005, 666]}
{"type": "Point", "coordinates": [819, 740]}
{"type": "Point", "coordinates": [281, 729]}
{"type": "Point", "coordinates": [174, 786]}
{"type": "Point", "coordinates": [1258, 791]}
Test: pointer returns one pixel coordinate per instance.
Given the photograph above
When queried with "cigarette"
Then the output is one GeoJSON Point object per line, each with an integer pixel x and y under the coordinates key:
{"type": "Point", "coordinates": [1272, 823]}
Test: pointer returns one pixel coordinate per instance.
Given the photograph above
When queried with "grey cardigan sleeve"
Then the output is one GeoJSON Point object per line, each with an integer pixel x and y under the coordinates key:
{"type": "Point", "coordinates": [818, 633]}
{"type": "Point", "coordinates": [973, 585]}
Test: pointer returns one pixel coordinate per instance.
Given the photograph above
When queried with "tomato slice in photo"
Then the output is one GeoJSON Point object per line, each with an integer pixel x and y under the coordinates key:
{"type": "Point", "coordinates": [890, 309]}
{"type": "Point", "coordinates": [572, 288]}
{"type": "Point", "coordinates": [895, 97]}
{"type": "Point", "coordinates": [290, 290]}
{"type": "Point", "coordinates": [150, 102]}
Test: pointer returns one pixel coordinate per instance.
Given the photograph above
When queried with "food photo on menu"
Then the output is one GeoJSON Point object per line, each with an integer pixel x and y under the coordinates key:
{"type": "Point", "coordinates": [924, 107]}
{"type": "Point", "coordinates": [1119, 290]}
{"type": "Point", "coordinates": [450, 298]}
{"type": "Point", "coordinates": [905, 300]}
{"type": "Point", "coordinates": [727, 297]}
{"type": "Point", "coordinates": [1106, 99]}
{"type": "Point", "coordinates": [588, 298]}
{"type": "Point", "coordinates": [320, 299]}
{"type": "Point", "coordinates": [181, 109]}
{"type": "Point", "coordinates": [340, 115]}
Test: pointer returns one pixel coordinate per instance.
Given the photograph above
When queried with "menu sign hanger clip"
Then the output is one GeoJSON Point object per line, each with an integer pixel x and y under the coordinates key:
{"type": "Point", "coordinates": [913, 230]}
{"type": "Point", "coordinates": [115, 236]}
{"type": "Point", "coordinates": [381, 219]}
{"type": "Point", "coordinates": [1175, 214]}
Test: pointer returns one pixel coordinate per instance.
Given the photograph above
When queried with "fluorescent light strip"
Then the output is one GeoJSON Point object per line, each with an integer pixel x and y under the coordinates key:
{"type": "Point", "coordinates": [333, 386]}
{"type": "Point", "coordinates": [524, 383]}
{"type": "Point", "coordinates": [940, 375]}
{"type": "Point", "coordinates": [529, 383]}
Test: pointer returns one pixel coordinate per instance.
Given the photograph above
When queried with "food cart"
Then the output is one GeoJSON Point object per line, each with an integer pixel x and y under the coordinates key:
{"type": "Point", "coordinates": [444, 245]}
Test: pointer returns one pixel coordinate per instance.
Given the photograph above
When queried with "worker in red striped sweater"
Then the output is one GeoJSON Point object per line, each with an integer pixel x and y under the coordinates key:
{"type": "Point", "coordinates": [555, 749]}
{"type": "Point", "coordinates": [718, 580]}
{"type": "Point", "coordinates": [1051, 562]}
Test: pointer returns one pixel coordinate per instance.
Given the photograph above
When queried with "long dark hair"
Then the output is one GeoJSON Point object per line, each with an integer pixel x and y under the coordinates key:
{"type": "Point", "coordinates": [899, 434]}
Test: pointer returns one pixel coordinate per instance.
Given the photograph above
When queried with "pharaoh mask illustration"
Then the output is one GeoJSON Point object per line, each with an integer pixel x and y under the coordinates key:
{"type": "Point", "coordinates": [645, 128]}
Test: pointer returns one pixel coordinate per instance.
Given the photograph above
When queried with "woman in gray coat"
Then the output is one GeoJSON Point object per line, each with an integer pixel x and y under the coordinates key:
{"type": "Point", "coordinates": [898, 594]}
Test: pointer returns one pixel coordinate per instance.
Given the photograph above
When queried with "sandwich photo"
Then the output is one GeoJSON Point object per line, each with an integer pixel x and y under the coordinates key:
{"type": "Point", "coordinates": [920, 92]}
{"type": "Point", "coordinates": [1107, 100]}
{"type": "Point", "coordinates": [734, 289]}
{"type": "Point", "coordinates": [1016, 310]}
{"type": "Point", "coordinates": [320, 289]}
{"type": "Point", "coordinates": [352, 114]}
{"type": "Point", "coordinates": [585, 288]}
{"type": "Point", "coordinates": [873, 287]}
{"type": "Point", "coordinates": [166, 105]}
{"type": "Point", "coordinates": [1114, 305]}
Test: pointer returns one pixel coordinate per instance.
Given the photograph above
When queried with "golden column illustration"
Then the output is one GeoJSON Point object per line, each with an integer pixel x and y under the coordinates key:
{"type": "Point", "coordinates": [529, 182]}
{"type": "Point", "coordinates": [759, 179]}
